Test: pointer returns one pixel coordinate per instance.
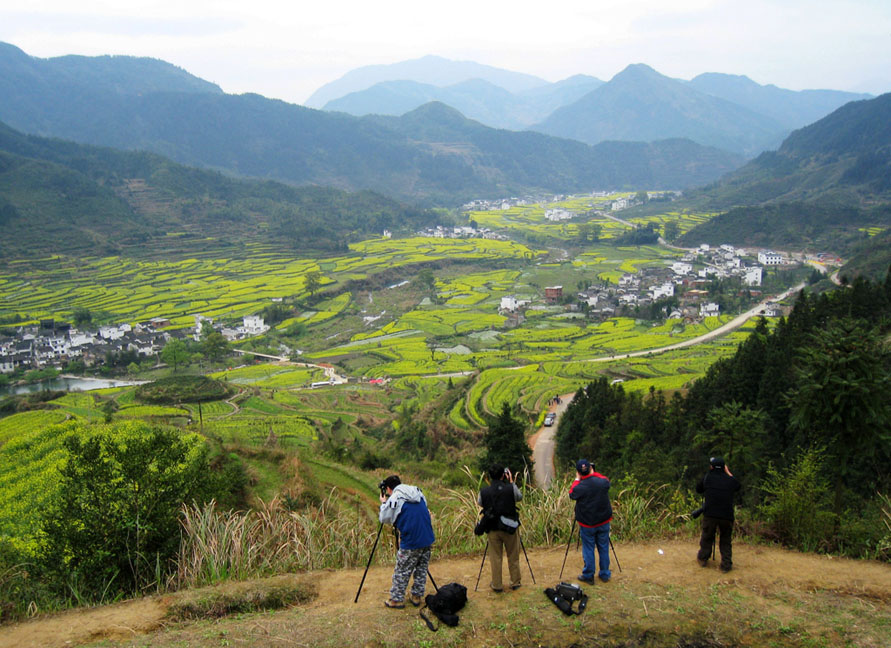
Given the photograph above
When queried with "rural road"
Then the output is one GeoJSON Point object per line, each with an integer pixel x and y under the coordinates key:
{"type": "Point", "coordinates": [543, 442]}
{"type": "Point", "coordinates": [733, 324]}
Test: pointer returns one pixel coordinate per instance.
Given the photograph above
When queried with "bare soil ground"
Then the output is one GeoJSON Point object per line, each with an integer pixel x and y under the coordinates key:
{"type": "Point", "coordinates": [773, 597]}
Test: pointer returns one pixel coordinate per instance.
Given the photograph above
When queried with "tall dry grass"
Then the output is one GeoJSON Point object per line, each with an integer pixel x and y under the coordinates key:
{"type": "Point", "coordinates": [220, 545]}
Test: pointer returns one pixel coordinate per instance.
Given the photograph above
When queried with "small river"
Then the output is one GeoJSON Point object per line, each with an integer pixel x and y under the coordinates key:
{"type": "Point", "coordinates": [66, 383]}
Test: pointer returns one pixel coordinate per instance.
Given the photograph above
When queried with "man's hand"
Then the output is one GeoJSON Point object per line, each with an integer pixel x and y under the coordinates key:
{"type": "Point", "coordinates": [727, 470]}
{"type": "Point", "coordinates": [383, 499]}
{"type": "Point", "coordinates": [509, 475]}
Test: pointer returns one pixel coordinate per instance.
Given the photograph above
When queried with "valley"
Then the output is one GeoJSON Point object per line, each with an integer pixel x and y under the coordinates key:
{"type": "Point", "coordinates": [432, 268]}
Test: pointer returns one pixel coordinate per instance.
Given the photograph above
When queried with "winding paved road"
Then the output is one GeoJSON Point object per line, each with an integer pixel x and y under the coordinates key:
{"type": "Point", "coordinates": [543, 441]}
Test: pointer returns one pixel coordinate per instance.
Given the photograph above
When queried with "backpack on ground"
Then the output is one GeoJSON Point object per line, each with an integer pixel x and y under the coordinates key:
{"type": "Point", "coordinates": [445, 604]}
{"type": "Point", "coordinates": [564, 595]}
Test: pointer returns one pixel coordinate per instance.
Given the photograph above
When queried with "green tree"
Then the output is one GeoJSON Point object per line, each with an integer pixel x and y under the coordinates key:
{"type": "Point", "coordinates": [313, 281]}
{"type": "Point", "coordinates": [840, 399]}
{"type": "Point", "coordinates": [175, 353]}
{"type": "Point", "coordinates": [426, 280]}
{"type": "Point", "coordinates": [670, 231]}
{"type": "Point", "coordinates": [215, 346]}
{"type": "Point", "coordinates": [505, 441]}
{"type": "Point", "coordinates": [596, 229]}
{"type": "Point", "coordinates": [116, 516]}
{"type": "Point", "coordinates": [82, 317]}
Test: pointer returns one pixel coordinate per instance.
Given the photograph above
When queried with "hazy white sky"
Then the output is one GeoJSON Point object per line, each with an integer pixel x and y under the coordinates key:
{"type": "Point", "coordinates": [288, 49]}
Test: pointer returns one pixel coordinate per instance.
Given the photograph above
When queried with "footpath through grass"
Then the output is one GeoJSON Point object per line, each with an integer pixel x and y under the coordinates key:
{"type": "Point", "coordinates": [661, 597]}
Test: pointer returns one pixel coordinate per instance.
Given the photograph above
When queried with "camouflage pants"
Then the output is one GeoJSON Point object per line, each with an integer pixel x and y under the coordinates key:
{"type": "Point", "coordinates": [408, 562]}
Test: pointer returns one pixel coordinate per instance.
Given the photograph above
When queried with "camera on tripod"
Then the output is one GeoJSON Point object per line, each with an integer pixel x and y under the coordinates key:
{"type": "Point", "coordinates": [383, 487]}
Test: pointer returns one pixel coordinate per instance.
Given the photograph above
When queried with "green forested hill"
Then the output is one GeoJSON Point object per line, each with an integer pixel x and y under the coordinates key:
{"type": "Point", "coordinates": [60, 196]}
{"type": "Point", "coordinates": [823, 188]}
{"type": "Point", "coordinates": [844, 158]}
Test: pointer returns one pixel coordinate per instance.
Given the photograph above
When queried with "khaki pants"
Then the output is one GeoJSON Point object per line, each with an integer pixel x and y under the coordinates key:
{"type": "Point", "coordinates": [509, 543]}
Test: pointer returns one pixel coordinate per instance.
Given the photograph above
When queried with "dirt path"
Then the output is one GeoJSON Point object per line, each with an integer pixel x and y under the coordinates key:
{"type": "Point", "coordinates": [653, 574]}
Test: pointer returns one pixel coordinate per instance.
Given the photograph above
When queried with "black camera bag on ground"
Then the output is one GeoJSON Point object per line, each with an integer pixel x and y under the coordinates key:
{"type": "Point", "coordinates": [445, 604]}
{"type": "Point", "coordinates": [564, 595]}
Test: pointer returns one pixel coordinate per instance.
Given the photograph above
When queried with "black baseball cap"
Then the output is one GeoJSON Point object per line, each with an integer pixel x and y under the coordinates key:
{"type": "Point", "coordinates": [583, 466]}
{"type": "Point", "coordinates": [716, 462]}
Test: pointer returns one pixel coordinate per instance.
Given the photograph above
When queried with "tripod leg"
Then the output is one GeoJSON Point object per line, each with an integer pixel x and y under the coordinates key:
{"type": "Point", "coordinates": [614, 553]}
{"type": "Point", "coordinates": [478, 576]}
{"type": "Point", "coordinates": [527, 557]}
{"type": "Point", "coordinates": [433, 582]}
{"type": "Point", "coordinates": [568, 544]}
{"type": "Point", "coordinates": [370, 556]}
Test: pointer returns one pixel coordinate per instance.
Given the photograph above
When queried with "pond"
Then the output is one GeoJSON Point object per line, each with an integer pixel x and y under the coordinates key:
{"type": "Point", "coordinates": [66, 383]}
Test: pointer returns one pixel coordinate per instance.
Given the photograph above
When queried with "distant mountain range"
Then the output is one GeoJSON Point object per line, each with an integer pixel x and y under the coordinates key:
{"type": "Point", "coordinates": [431, 70]}
{"type": "Point", "coordinates": [638, 104]}
{"type": "Point", "coordinates": [477, 99]}
{"type": "Point", "coordinates": [431, 155]}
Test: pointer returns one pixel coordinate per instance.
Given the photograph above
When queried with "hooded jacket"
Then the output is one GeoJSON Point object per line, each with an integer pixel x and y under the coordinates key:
{"type": "Point", "coordinates": [406, 509]}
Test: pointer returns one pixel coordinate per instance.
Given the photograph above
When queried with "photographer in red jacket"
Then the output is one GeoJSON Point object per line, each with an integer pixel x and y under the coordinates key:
{"type": "Point", "coordinates": [593, 512]}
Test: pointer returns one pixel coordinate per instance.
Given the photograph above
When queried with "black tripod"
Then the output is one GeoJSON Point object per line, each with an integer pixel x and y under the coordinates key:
{"type": "Point", "coordinates": [368, 564]}
{"type": "Point", "coordinates": [371, 556]}
{"type": "Point", "coordinates": [569, 543]}
{"type": "Point", "coordinates": [486, 551]}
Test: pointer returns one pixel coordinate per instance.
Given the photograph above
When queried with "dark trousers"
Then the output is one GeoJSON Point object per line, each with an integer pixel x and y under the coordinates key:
{"type": "Point", "coordinates": [723, 528]}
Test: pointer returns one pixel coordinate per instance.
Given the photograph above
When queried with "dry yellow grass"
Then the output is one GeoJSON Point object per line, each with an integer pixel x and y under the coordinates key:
{"type": "Point", "coordinates": [773, 597]}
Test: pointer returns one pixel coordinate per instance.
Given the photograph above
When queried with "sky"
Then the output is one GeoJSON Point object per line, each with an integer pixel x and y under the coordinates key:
{"type": "Point", "coordinates": [288, 49]}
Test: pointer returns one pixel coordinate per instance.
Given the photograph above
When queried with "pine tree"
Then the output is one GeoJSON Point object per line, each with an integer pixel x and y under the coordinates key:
{"type": "Point", "coordinates": [506, 444]}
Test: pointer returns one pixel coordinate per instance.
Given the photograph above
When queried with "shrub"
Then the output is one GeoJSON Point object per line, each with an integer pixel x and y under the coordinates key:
{"type": "Point", "coordinates": [114, 525]}
{"type": "Point", "coordinates": [797, 505]}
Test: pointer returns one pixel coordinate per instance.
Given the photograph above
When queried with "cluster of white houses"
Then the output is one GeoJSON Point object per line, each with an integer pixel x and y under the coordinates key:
{"type": "Point", "coordinates": [688, 276]}
{"type": "Point", "coordinates": [464, 231]}
{"type": "Point", "coordinates": [55, 344]}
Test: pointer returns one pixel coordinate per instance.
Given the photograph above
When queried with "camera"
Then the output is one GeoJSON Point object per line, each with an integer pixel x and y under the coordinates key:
{"type": "Point", "coordinates": [695, 514]}
{"type": "Point", "coordinates": [570, 591]}
{"type": "Point", "coordinates": [383, 487]}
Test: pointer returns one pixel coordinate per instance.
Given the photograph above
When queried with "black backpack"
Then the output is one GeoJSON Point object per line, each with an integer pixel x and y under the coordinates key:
{"type": "Point", "coordinates": [445, 604]}
{"type": "Point", "coordinates": [564, 595]}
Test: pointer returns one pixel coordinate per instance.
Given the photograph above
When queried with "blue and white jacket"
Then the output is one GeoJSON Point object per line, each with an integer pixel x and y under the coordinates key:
{"type": "Point", "coordinates": [406, 509]}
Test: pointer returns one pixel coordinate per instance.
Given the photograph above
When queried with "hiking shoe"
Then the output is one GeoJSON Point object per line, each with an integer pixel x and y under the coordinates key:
{"type": "Point", "coordinates": [515, 587]}
{"type": "Point", "coordinates": [605, 580]}
{"type": "Point", "coordinates": [395, 605]}
{"type": "Point", "coordinates": [415, 600]}
{"type": "Point", "coordinates": [586, 579]}
{"type": "Point", "coordinates": [702, 563]}
{"type": "Point", "coordinates": [497, 590]}
{"type": "Point", "coordinates": [726, 568]}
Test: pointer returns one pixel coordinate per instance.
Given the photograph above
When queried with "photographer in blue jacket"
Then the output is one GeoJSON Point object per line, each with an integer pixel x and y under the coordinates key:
{"type": "Point", "coordinates": [405, 508]}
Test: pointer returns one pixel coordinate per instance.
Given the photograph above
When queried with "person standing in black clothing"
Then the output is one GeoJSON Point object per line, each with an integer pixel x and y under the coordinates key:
{"type": "Point", "coordinates": [719, 486]}
{"type": "Point", "coordinates": [500, 498]}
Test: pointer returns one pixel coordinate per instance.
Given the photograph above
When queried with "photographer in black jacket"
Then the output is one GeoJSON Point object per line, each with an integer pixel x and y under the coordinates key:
{"type": "Point", "coordinates": [719, 486]}
{"type": "Point", "coordinates": [499, 499]}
